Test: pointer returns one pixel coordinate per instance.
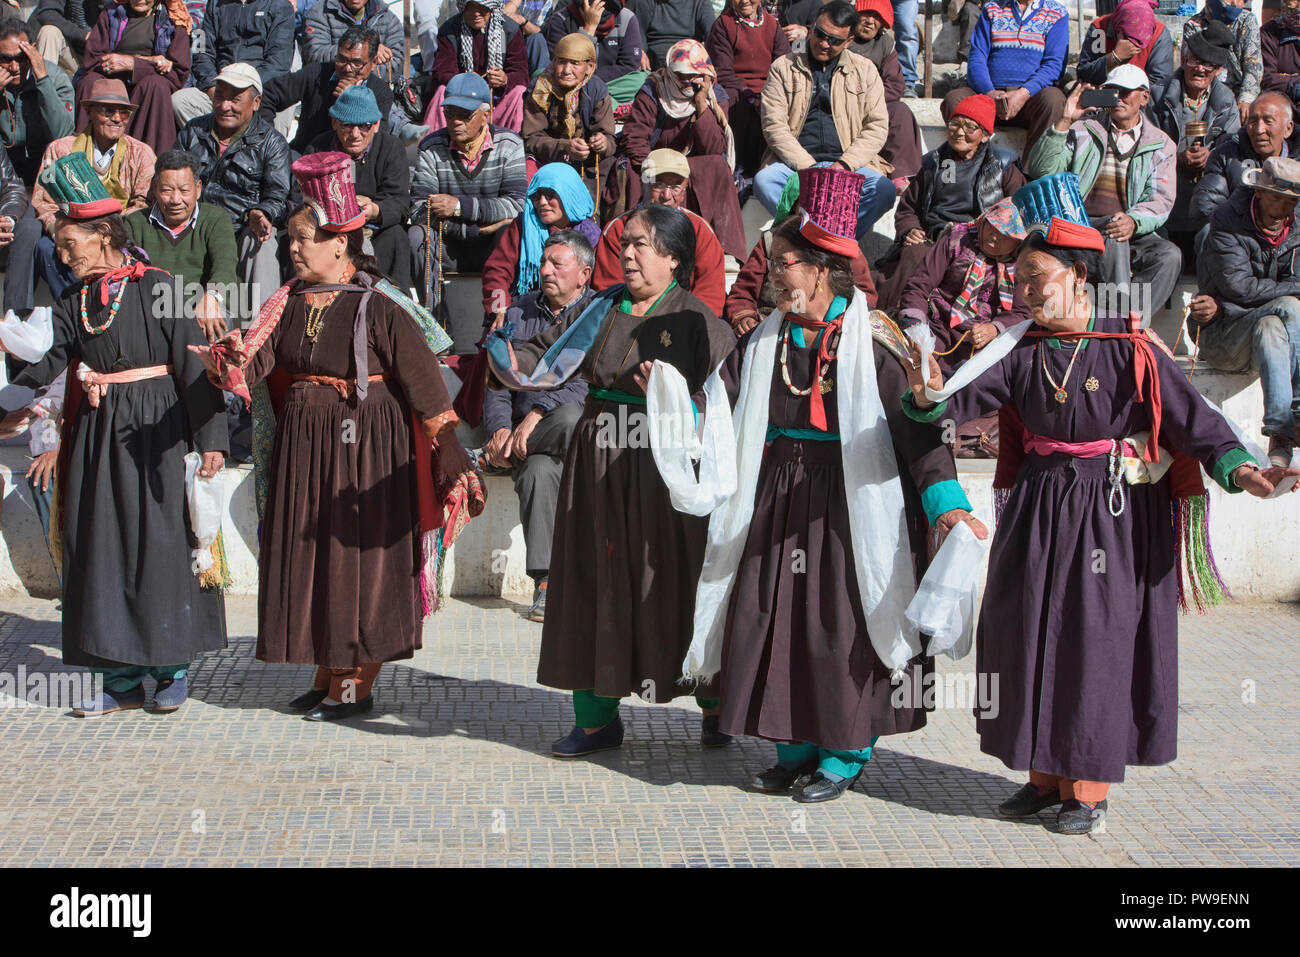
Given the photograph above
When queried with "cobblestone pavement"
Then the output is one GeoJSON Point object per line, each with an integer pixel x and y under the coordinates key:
{"type": "Point", "coordinates": [455, 770]}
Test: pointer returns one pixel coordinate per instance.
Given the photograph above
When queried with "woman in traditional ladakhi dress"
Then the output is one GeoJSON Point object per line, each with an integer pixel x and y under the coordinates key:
{"type": "Point", "coordinates": [363, 425]}
{"type": "Point", "coordinates": [813, 560]}
{"type": "Point", "coordinates": [625, 562]}
{"type": "Point", "coordinates": [1079, 623]}
{"type": "Point", "coordinates": [137, 402]}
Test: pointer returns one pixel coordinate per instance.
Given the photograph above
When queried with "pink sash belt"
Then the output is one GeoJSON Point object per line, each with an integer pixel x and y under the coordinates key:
{"type": "Point", "coordinates": [97, 383]}
{"type": "Point", "coordinates": [1044, 445]}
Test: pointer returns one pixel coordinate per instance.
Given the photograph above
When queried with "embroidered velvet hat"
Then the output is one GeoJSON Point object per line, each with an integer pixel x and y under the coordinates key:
{"type": "Point", "coordinates": [828, 207]}
{"type": "Point", "coordinates": [329, 187]}
{"type": "Point", "coordinates": [1056, 196]}
{"type": "Point", "coordinates": [72, 183]}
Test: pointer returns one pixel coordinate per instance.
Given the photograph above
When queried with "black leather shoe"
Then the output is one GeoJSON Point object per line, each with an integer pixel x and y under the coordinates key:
{"type": "Point", "coordinates": [337, 712]}
{"type": "Point", "coordinates": [710, 736]}
{"type": "Point", "coordinates": [779, 779]}
{"type": "Point", "coordinates": [577, 742]}
{"type": "Point", "coordinates": [821, 788]}
{"type": "Point", "coordinates": [1028, 801]}
{"type": "Point", "coordinates": [1075, 817]}
{"type": "Point", "coordinates": [305, 702]}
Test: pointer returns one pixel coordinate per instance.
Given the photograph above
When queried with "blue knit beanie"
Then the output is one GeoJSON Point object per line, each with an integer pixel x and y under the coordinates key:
{"type": "Point", "coordinates": [356, 106]}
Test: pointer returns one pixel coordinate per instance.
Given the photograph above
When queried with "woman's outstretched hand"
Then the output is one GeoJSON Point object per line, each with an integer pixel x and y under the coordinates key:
{"type": "Point", "coordinates": [1261, 482]}
{"type": "Point", "coordinates": [918, 383]}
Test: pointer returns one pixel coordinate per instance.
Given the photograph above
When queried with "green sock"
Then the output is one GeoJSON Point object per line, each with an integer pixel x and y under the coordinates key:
{"type": "Point", "coordinates": [590, 710]}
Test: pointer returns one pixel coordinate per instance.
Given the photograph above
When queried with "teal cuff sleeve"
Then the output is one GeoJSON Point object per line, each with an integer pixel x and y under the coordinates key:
{"type": "Point", "coordinates": [922, 415]}
{"type": "Point", "coordinates": [1227, 464]}
{"type": "Point", "coordinates": [943, 497]}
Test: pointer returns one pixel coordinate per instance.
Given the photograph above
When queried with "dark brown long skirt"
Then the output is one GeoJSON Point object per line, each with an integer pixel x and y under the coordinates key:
{"type": "Point", "coordinates": [797, 663]}
{"type": "Point", "coordinates": [624, 568]}
{"type": "Point", "coordinates": [340, 546]}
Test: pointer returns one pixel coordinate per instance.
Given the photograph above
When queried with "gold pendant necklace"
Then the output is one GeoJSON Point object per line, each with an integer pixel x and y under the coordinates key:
{"type": "Point", "coordinates": [1060, 393]}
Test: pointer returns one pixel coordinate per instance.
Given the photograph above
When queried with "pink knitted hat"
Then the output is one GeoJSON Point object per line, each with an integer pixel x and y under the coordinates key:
{"type": "Point", "coordinates": [329, 187]}
{"type": "Point", "coordinates": [828, 204]}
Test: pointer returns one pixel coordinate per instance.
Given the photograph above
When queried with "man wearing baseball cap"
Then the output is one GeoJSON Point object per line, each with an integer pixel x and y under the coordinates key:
{"type": "Point", "coordinates": [1247, 310]}
{"type": "Point", "coordinates": [1127, 175]}
{"type": "Point", "coordinates": [1196, 111]}
{"type": "Point", "coordinates": [468, 183]}
{"type": "Point", "coordinates": [663, 177]}
{"type": "Point", "coordinates": [245, 172]}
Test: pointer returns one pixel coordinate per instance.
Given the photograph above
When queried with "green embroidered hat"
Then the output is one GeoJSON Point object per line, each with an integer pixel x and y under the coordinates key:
{"type": "Point", "coordinates": [71, 182]}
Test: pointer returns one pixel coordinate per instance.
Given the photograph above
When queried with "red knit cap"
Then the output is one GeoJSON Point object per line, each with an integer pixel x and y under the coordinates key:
{"type": "Point", "coordinates": [881, 8]}
{"type": "Point", "coordinates": [979, 108]}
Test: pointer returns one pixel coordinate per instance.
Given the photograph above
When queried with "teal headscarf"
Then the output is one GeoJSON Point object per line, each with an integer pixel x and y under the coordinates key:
{"type": "Point", "coordinates": [564, 180]}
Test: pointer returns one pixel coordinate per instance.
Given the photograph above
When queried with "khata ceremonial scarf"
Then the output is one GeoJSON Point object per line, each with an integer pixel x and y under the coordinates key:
{"type": "Point", "coordinates": [564, 181]}
{"type": "Point", "coordinates": [494, 31]}
{"type": "Point", "coordinates": [85, 143]}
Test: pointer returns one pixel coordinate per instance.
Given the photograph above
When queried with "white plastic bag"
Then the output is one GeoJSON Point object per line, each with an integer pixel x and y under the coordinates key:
{"type": "Point", "coordinates": [207, 499]}
{"type": "Point", "coordinates": [944, 605]}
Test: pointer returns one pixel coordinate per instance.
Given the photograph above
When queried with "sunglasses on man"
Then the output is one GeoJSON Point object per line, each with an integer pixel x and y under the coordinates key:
{"type": "Point", "coordinates": [829, 38]}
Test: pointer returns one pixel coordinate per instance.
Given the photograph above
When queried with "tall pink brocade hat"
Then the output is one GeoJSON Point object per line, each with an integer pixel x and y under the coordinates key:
{"type": "Point", "coordinates": [328, 186]}
{"type": "Point", "coordinates": [828, 204]}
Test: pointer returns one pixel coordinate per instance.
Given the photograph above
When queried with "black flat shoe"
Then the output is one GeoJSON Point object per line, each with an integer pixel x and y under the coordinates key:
{"type": "Point", "coordinates": [337, 712]}
{"type": "Point", "coordinates": [710, 736]}
{"type": "Point", "coordinates": [305, 702]}
{"type": "Point", "coordinates": [821, 788]}
{"type": "Point", "coordinates": [779, 779]}
{"type": "Point", "coordinates": [577, 742]}
{"type": "Point", "coordinates": [1028, 801]}
{"type": "Point", "coordinates": [1075, 817]}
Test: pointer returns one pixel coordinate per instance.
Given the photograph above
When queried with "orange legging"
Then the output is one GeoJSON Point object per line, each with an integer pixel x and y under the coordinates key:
{"type": "Point", "coordinates": [362, 679]}
{"type": "Point", "coordinates": [1090, 791]}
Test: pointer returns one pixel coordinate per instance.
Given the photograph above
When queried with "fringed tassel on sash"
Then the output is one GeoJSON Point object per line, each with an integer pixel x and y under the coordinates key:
{"type": "Point", "coordinates": [1000, 498]}
{"type": "Point", "coordinates": [1198, 573]}
{"type": "Point", "coordinates": [217, 576]}
{"type": "Point", "coordinates": [431, 555]}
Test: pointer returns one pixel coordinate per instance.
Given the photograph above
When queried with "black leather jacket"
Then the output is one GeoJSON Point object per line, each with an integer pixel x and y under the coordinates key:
{"type": "Point", "coordinates": [13, 194]}
{"type": "Point", "coordinates": [253, 173]}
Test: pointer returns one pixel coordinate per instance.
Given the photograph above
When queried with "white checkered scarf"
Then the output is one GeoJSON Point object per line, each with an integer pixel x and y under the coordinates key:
{"type": "Point", "coordinates": [495, 31]}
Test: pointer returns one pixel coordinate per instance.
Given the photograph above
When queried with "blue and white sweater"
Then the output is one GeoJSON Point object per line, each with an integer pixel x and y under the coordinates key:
{"type": "Point", "coordinates": [1011, 49]}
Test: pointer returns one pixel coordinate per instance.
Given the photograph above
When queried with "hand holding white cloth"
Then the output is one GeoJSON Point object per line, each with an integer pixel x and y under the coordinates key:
{"type": "Point", "coordinates": [207, 498]}
{"type": "Point", "coordinates": [945, 602]}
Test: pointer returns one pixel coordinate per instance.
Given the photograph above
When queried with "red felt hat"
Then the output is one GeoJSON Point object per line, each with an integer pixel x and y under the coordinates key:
{"type": "Point", "coordinates": [881, 8]}
{"type": "Point", "coordinates": [1068, 235]}
{"type": "Point", "coordinates": [828, 205]}
{"type": "Point", "coordinates": [979, 108]}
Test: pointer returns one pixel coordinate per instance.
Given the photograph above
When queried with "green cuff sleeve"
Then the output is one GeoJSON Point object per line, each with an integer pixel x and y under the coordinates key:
{"type": "Point", "coordinates": [1224, 468]}
{"type": "Point", "coordinates": [922, 415]}
{"type": "Point", "coordinates": [943, 497]}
